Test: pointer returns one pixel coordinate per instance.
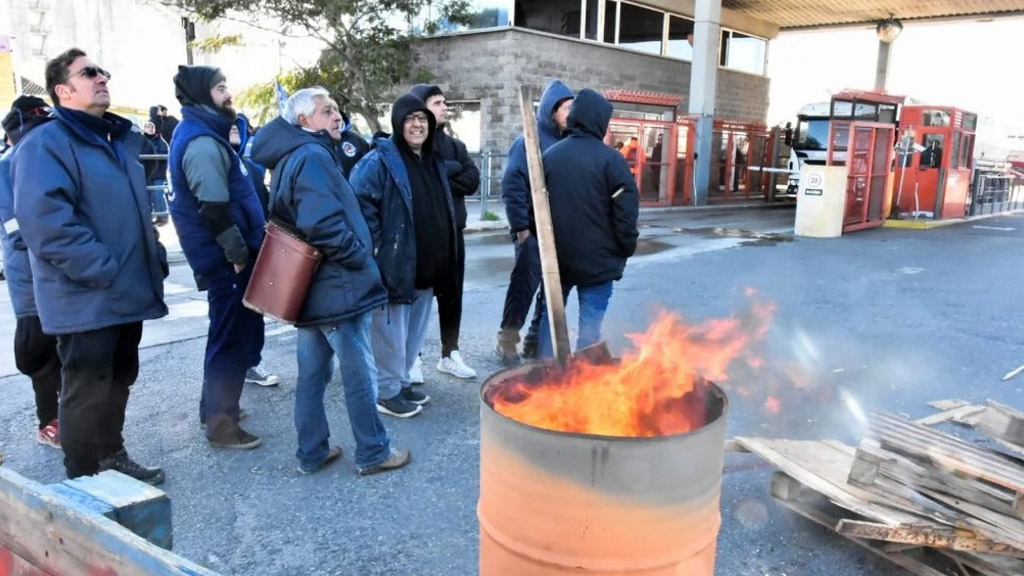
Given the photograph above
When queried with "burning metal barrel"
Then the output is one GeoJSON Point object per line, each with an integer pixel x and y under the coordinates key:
{"type": "Point", "coordinates": [556, 502]}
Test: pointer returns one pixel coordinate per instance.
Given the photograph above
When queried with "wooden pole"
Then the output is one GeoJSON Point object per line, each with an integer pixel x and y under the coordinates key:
{"type": "Point", "coordinates": [545, 231]}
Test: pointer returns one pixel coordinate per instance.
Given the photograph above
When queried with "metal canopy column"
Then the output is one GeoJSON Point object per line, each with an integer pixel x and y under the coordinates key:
{"type": "Point", "coordinates": [703, 77]}
{"type": "Point", "coordinates": [882, 68]}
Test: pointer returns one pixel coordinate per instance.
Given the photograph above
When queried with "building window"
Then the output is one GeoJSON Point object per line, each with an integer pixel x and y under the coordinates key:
{"type": "Point", "coordinates": [680, 38]}
{"type": "Point", "coordinates": [742, 52]}
{"type": "Point", "coordinates": [560, 17]}
{"type": "Point", "coordinates": [641, 28]}
{"type": "Point", "coordinates": [464, 123]}
{"type": "Point", "coordinates": [591, 16]}
{"type": "Point", "coordinates": [611, 19]}
{"type": "Point", "coordinates": [490, 13]}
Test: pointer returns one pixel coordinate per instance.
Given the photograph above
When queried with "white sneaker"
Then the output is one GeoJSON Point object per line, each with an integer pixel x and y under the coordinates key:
{"type": "Point", "coordinates": [454, 365]}
{"type": "Point", "coordinates": [416, 372]}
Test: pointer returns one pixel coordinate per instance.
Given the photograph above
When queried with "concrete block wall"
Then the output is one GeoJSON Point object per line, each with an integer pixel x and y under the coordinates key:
{"type": "Point", "coordinates": [489, 66]}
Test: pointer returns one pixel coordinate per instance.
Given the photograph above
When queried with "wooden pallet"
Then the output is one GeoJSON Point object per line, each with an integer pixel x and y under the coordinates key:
{"type": "Point", "coordinates": [930, 540]}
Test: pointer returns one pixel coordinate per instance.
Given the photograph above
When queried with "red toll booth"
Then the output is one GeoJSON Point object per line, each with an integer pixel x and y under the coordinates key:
{"type": "Point", "coordinates": [933, 172]}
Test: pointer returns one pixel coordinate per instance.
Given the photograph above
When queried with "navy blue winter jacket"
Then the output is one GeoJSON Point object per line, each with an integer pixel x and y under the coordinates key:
{"type": "Point", "coordinates": [382, 184]}
{"type": "Point", "coordinates": [593, 196]}
{"type": "Point", "coordinates": [515, 183]}
{"type": "Point", "coordinates": [310, 196]}
{"type": "Point", "coordinates": [84, 213]}
{"type": "Point", "coordinates": [16, 266]}
{"type": "Point", "coordinates": [198, 241]}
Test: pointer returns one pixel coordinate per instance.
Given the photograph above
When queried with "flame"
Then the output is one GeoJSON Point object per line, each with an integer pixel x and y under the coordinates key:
{"type": "Point", "coordinates": [656, 389]}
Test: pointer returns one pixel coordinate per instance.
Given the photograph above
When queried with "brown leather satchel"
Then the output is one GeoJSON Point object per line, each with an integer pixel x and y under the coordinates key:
{"type": "Point", "coordinates": [281, 277]}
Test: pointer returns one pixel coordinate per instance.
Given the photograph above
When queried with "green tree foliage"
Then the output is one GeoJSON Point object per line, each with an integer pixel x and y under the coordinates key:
{"type": "Point", "coordinates": [367, 43]}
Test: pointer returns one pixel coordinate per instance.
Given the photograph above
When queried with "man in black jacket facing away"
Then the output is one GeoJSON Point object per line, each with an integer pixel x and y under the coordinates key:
{"type": "Point", "coordinates": [594, 210]}
{"type": "Point", "coordinates": [464, 180]}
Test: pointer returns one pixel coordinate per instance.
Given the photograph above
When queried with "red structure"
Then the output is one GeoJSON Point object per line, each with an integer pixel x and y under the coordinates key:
{"type": "Point", "coordinates": [658, 146]}
{"type": "Point", "coordinates": [933, 168]}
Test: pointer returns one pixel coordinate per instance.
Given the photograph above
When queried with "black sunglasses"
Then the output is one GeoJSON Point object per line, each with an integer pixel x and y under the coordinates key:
{"type": "Point", "coordinates": [91, 72]}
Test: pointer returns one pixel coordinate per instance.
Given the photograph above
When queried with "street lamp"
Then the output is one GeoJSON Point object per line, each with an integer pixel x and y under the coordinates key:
{"type": "Point", "coordinates": [889, 29]}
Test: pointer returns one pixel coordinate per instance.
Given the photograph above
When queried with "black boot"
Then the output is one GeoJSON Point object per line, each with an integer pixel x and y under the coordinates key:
{"type": "Point", "coordinates": [125, 465]}
{"type": "Point", "coordinates": [508, 355]}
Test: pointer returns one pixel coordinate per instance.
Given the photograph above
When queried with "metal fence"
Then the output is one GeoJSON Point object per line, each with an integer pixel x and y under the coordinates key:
{"type": "Point", "coordinates": [489, 196]}
{"type": "Point", "coordinates": [491, 166]}
{"type": "Point", "coordinates": [994, 191]}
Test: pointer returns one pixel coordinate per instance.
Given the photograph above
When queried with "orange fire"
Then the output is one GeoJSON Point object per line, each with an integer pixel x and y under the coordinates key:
{"type": "Point", "coordinates": [655, 390]}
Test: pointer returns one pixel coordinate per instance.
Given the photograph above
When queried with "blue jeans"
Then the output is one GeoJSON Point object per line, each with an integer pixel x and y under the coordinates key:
{"type": "Point", "coordinates": [593, 302]}
{"type": "Point", "coordinates": [315, 349]}
{"type": "Point", "coordinates": [157, 200]}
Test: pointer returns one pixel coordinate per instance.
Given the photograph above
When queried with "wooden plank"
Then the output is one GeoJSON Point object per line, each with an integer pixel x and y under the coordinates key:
{"type": "Point", "coordinates": [998, 526]}
{"type": "Point", "coordinates": [955, 414]}
{"type": "Point", "coordinates": [60, 537]}
{"type": "Point", "coordinates": [1013, 372]}
{"type": "Point", "coordinates": [943, 405]}
{"type": "Point", "coordinates": [943, 450]}
{"type": "Point", "coordinates": [810, 505]}
{"type": "Point", "coordinates": [13, 565]}
{"type": "Point", "coordinates": [930, 536]}
{"type": "Point", "coordinates": [1003, 422]}
{"type": "Point", "coordinates": [824, 468]}
{"type": "Point", "coordinates": [545, 231]}
{"type": "Point", "coordinates": [731, 445]}
{"type": "Point", "coordinates": [872, 462]}
{"type": "Point", "coordinates": [987, 565]}
{"type": "Point", "coordinates": [139, 507]}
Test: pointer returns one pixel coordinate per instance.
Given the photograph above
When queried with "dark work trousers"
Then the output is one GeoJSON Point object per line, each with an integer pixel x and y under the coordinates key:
{"type": "Point", "coordinates": [35, 355]}
{"type": "Point", "coordinates": [99, 367]}
{"type": "Point", "coordinates": [522, 287]}
{"type": "Point", "coordinates": [233, 345]}
{"type": "Point", "coordinates": [449, 304]}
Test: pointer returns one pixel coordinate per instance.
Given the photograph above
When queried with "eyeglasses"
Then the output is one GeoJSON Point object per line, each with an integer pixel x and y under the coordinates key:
{"type": "Point", "coordinates": [91, 72]}
{"type": "Point", "coordinates": [418, 117]}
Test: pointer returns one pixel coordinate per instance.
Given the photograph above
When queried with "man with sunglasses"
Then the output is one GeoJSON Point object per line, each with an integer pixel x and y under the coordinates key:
{"type": "Point", "coordinates": [403, 192]}
{"type": "Point", "coordinates": [83, 210]}
{"type": "Point", "coordinates": [219, 219]}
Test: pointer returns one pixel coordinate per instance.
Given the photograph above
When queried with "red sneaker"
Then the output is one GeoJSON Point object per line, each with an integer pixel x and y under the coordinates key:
{"type": "Point", "coordinates": [50, 434]}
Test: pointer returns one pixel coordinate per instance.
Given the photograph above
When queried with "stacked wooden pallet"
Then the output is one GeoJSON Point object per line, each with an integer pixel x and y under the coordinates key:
{"type": "Point", "coordinates": [926, 500]}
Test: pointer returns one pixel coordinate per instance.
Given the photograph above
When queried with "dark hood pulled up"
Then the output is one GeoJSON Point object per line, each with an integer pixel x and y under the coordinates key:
{"type": "Point", "coordinates": [404, 106]}
{"type": "Point", "coordinates": [590, 115]}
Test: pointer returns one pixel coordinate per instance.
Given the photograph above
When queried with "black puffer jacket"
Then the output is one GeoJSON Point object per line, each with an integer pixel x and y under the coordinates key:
{"type": "Point", "coordinates": [594, 201]}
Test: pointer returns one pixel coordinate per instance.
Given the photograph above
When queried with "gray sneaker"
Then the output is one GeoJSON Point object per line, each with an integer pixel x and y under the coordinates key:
{"type": "Point", "coordinates": [256, 375]}
{"type": "Point", "coordinates": [398, 407]}
{"type": "Point", "coordinates": [394, 461]}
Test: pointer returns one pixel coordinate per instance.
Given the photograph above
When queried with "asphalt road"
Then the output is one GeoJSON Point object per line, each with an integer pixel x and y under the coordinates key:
{"type": "Point", "coordinates": [881, 319]}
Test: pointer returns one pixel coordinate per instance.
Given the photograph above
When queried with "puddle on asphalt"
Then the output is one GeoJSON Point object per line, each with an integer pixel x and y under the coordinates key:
{"type": "Point", "coordinates": [747, 237]}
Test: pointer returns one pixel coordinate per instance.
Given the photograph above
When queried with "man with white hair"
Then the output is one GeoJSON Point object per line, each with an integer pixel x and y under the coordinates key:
{"type": "Point", "coordinates": [310, 196]}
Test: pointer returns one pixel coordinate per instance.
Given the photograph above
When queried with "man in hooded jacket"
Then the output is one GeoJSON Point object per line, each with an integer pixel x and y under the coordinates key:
{"type": "Point", "coordinates": [219, 220]}
{"type": "Point", "coordinates": [407, 203]}
{"type": "Point", "coordinates": [464, 180]}
{"type": "Point", "coordinates": [594, 210]}
{"type": "Point", "coordinates": [312, 198]}
{"type": "Point", "coordinates": [555, 103]}
{"type": "Point", "coordinates": [35, 353]}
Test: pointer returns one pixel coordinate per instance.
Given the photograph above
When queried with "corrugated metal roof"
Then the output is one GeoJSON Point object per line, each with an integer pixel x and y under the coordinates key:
{"type": "Point", "coordinates": [789, 14]}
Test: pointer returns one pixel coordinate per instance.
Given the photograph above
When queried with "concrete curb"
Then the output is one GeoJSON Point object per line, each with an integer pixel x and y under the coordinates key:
{"type": "Point", "coordinates": [929, 224]}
